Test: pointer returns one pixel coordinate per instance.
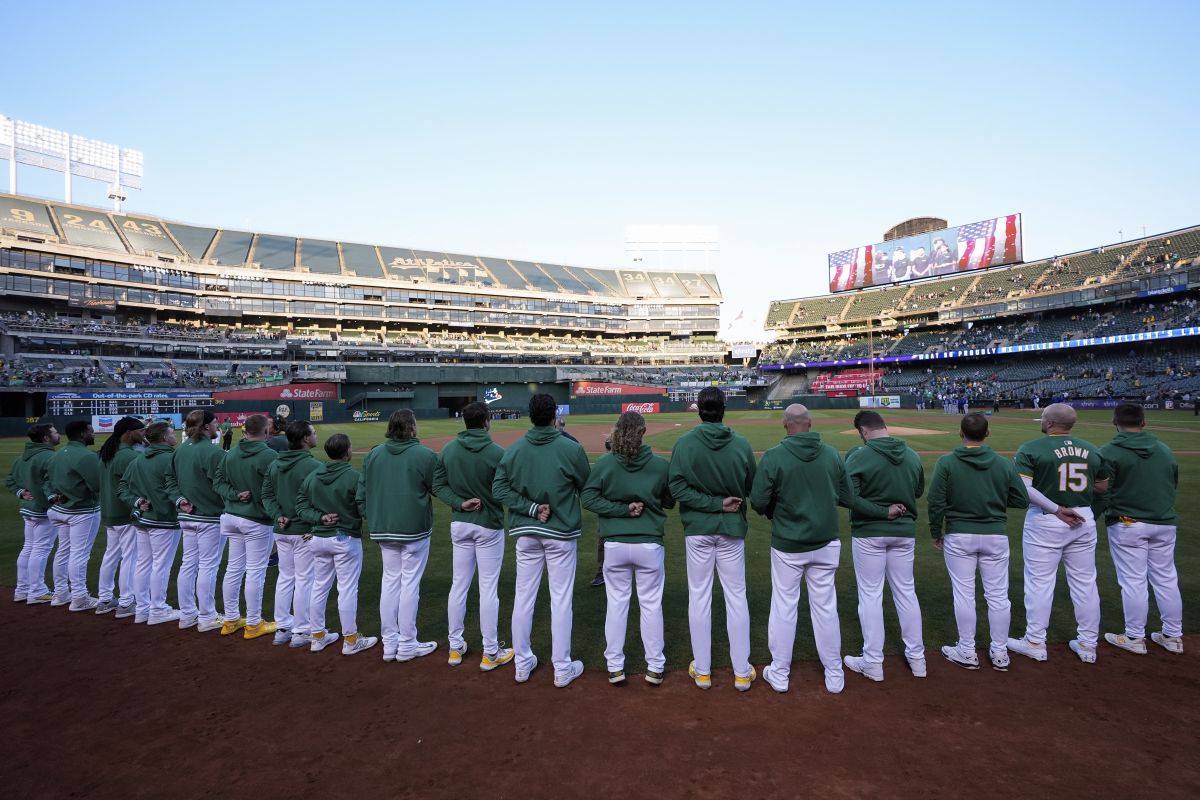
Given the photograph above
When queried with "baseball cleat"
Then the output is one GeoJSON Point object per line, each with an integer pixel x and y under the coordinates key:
{"type": "Point", "coordinates": [999, 659]}
{"type": "Point", "coordinates": [654, 678]}
{"type": "Point", "coordinates": [456, 655]}
{"type": "Point", "coordinates": [85, 603]}
{"type": "Point", "coordinates": [355, 643]}
{"type": "Point", "coordinates": [106, 606]}
{"type": "Point", "coordinates": [282, 636]}
{"type": "Point", "coordinates": [261, 629]}
{"type": "Point", "coordinates": [140, 619]}
{"type": "Point", "coordinates": [319, 640]}
{"type": "Point", "coordinates": [422, 649]}
{"type": "Point", "coordinates": [60, 600]}
{"type": "Point", "coordinates": [299, 640]}
{"type": "Point", "coordinates": [703, 681]}
{"type": "Point", "coordinates": [776, 682]}
{"type": "Point", "coordinates": [497, 659]}
{"type": "Point", "coordinates": [19, 596]}
{"type": "Point", "coordinates": [204, 626]}
{"type": "Point", "coordinates": [229, 627]}
{"type": "Point", "coordinates": [967, 659]}
{"type": "Point", "coordinates": [388, 655]}
{"type": "Point", "coordinates": [39, 599]}
{"type": "Point", "coordinates": [743, 682]}
{"type": "Point", "coordinates": [522, 675]}
{"type": "Point", "coordinates": [616, 677]}
{"type": "Point", "coordinates": [187, 621]}
{"type": "Point", "coordinates": [1172, 644]}
{"type": "Point", "coordinates": [859, 664]}
{"type": "Point", "coordinates": [1086, 652]}
{"type": "Point", "coordinates": [1034, 650]}
{"type": "Point", "coordinates": [574, 670]}
{"type": "Point", "coordinates": [159, 619]}
{"type": "Point", "coordinates": [917, 665]}
{"type": "Point", "coordinates": [126, 611]}
{"type": "Point", "coordinates": [835, 682]}
{"type": "Point", "coordinates": [1124, 642]}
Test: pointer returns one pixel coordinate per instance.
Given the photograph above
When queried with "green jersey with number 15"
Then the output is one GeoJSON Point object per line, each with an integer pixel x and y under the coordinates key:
{"type": "Point", "coordinates": [1064, 468]}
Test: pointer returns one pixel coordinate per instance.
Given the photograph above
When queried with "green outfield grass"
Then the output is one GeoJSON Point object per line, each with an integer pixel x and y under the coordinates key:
{"type": "Point", "coordinates": [1009, 429]}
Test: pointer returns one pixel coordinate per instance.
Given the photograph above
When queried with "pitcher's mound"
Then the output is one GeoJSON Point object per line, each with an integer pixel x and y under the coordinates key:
{"type": "Point", "coordinates": [900, 430]}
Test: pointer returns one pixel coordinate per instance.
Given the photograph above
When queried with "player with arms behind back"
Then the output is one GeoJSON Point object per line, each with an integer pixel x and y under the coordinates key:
{"type": "Point", "coordinates": [1062, 474]}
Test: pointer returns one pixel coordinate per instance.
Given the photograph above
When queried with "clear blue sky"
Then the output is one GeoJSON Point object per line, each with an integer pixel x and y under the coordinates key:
{"type": "Point", "coordinates": [539, 130]}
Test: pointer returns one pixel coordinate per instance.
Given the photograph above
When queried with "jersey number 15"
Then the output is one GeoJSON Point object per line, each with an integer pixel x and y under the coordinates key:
{"type": "Point", "coordinates": [1072, 477]}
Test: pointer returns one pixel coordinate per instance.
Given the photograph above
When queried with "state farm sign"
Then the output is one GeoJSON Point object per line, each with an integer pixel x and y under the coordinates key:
{"type": "Point", "coordinates": [598, 389]}
{"type": "Point", "coordinates": [294, 391]}
{"type": "Point", "coordinates": [641, 408]}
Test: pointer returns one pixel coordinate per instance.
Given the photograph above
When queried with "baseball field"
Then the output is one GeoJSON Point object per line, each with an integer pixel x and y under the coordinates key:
{"type": "Point", "coordinates": [280, 722]}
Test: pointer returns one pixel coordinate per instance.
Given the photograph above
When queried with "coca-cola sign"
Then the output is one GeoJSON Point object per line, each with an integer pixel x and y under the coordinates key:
{"type": "Point", "coordinates": [641, 408]}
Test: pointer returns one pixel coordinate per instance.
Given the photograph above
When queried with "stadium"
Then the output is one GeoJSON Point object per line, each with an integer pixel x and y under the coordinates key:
{"type": "Point", "coordinates": [109, 312]}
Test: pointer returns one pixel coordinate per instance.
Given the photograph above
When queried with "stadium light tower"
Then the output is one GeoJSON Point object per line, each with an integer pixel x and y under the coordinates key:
{"type": "Point", "coordinates": [38, 146]}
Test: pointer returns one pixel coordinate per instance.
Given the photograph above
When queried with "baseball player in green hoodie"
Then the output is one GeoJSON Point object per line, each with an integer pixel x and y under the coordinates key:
{"type": "Point", "coordinates": [144, 488]}
{"type": "Point", "coordinates": [1062, 474]}
{"type": "Point", "coordinates": [462, 479]}
{"type": "Point", "coordinates": [798, 486]}
{"type": "Point", "coordinates": [327, 502]}
{"type": "Point", "coordinates": [711, 474]}
{"type": "Point", "coordinates": [120, 450]}
{"type": "Point", "coordinates": [1141, 524]}
{"type": "Point", "coordinates": [394, 496]}
{"type": "Point", "coordinates": [190, 485]}
{"type": "Point", "coordinates": [970, 493]}
{"type": "Point", "coordinates": [73, 487]}
{"type": "Point", "coordinates": [630, 491]}
{"type": "Point", "coordinates": [886, 471]}
{"type": "Point", "coordinates": [294, 585]}
{"type": "Point", "coordinates": [538, 480]}
{"type": "Point", "coordinates": [26, 480]}
{"type": "Point", "coordinates": [247, 525]}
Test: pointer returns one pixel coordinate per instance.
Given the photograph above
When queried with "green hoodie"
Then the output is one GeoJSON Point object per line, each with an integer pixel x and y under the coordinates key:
{"type": "Point", "coordinates": [193, 468]}
{"type": "Point", "coordinates": [28, 473]}
{"type": "Point", "coordinates": [394, 491]}
{"type": "Point", "coordinates": [543, 467]}
{"type": "Point", "coordinates": [330, 489]}
{"type": "Point", "coordinates": [146, 479]}
{"type": "Point", "coordinates": [799, 485]}
{"type": "Point", "coordinates": [282, 483]}
{"type": "Point", "coordinates": [886, 471]}
{"type": "Point", "coordinates": [1145, 478]}
{"type": "Point", "coordinates": [615, 482]}
{"type": "Point", "coordinates": [241, 470]}
{"type": "Point", "coordinates": [74, 473]}
{"type": "Point", "coordinates": [114, 510]}
{"type": "Point", "coordinates": [709, 463]}
{"type": "Point", "coordinates": [971, 490]}
{"type": "Point", "coordinates": [466, 469]}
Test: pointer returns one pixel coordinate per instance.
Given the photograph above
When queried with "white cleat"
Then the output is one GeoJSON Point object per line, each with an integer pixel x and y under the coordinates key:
{"type": "Point", "coordinates": [859, 664]}
{"type": "Point", "coordinates": [422, 649]}
{"type": "Point", "coordinates": [1086, 652]}
{"type": "Point", "coordinates": [204, 626]}
{"type": "Point", "coordinates": [967, 659]}
{"type": "Point", "coordinates": [86, 603]}
{"type": "Point", "coordinates": [1172, 644]}
{"type": "Point", "coordinates": [282, 636]}
{"type": "Point", "coordinates": [774, 680]}
{"type": "Point", "coordinates": [356, 643]}
{"type": "Point", "coordinates": [299, 640]}
{"type": "Point", "coordinates": [835, 682]}
{"type": "Point", "coordinates": [159, 619]}
{"type": "Point", "coordinates": [187, 621]}
{"type": "Point", "coordinates": [1124, 642]}
{"type": "Point", "coordinates": [574, 670]}
{"type": "Point", "coordinates": [999, 659]}
{"type": "Point", "coordinates": [319, 640]}
{"type": "Point", "coordinates": [918, 667]}
{"type": "Point", "coordinates": [522, 675]}
{"type": "Point", "coordinates": [1034, 650]}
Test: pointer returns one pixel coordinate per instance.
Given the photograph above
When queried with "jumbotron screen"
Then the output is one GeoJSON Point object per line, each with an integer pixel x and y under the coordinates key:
{"type": "Point", "coordinates": [990, 243]}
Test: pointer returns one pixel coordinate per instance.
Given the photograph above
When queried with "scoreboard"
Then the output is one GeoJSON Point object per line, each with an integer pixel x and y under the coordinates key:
{"type": "Point", "coordinates": [87, 404]}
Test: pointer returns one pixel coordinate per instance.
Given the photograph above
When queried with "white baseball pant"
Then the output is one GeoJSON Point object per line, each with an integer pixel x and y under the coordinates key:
{"type": "Point", "coordinates": [788, 572]}
{"type": "Point", "coordinates": [61, 569]}
{"type": "Point", "coordinates": [1046, 541]}
{"type": "Point", "coordinates": [44, 534]}
{"type": "Point", "coordinates": [473, 545]}
{"type": "Point", "coordinates": [989, 552]}
{"type": "Point", "coordinates": [558, 557]}
{"type": "Point", "coordinates": [400, 594]}
{"type": "Point", "coordinates": [302, 561]}
{"type": "Point", "coordinates": [27, 544]}
{"type": "Point", "coordinates": [727, 556]}
{"type": "Point", "coordinates": [339, 557]}
{"type": "Point", "coordinates": [1143, 552]}
{"type": "Point", "coordinates": [196, 585]}
{"type": "Point", "coordinates": [249, 551]}
{"type": "Point", "coordinates": [120, 551]}
{"type": "Point", "coordinates": [627, 564]}
{"type": "Point", "coordinates": [877, 558]}
{"type": "Point", "coordinates": [156, 549]}
{"type": "Point", "coordinates": [81, 530]}
{"type": "Point", "coordinates": [285, 583]}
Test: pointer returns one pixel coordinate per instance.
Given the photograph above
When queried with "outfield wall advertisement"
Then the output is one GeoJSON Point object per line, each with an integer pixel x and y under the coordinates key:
{"type": "Point", "coordinates": [292, 391]}
{"type": "Point", "coordinates": [600, 389]}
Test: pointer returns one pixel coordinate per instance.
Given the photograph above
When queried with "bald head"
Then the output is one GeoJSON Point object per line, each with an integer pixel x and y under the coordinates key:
{"type": "Point", "coordinates": [796, 419]}
{"type": "Point", "coordinates": [1058, 418]}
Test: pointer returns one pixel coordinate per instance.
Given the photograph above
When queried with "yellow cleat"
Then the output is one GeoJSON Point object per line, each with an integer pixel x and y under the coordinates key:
{"type": "Point", "coordinates": [261, 629]}
{"type": "Point", "coordinates": [502, 657]}
{"type": "Point", "coordinates": [456, 656]}
{"type": "Point", "coordinates": [743, 684]}
{"type": "Point", "coordinates": [703, 681]}
{"type": "Point", "coordinates": [228, 628]}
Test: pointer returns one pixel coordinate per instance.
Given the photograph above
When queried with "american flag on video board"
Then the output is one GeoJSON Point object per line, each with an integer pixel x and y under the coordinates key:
{"type": "Point", "coordinates": [851, 268]}
{"type": "Point", "coordinates": [993, 241]}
